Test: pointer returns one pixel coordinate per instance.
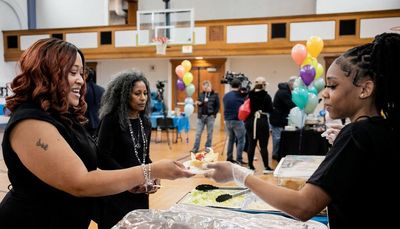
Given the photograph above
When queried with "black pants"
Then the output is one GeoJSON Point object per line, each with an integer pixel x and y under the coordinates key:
{"type": "Point", "coordinates": [262, 135]}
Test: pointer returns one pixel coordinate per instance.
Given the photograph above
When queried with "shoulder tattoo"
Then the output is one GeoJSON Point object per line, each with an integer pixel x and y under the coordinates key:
{"type": "Point", "coordinates": [42, 144]}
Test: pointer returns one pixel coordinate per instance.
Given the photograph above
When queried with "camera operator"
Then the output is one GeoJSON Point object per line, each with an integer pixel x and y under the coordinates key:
{"type": "Point", "coordinates": [245, 83]}
{"type": "Point", "coordinates": [208, 107]}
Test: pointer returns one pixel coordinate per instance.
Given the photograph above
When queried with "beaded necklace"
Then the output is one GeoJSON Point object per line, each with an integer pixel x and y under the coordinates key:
{"type": "Point", "coordinates": [136, 144]}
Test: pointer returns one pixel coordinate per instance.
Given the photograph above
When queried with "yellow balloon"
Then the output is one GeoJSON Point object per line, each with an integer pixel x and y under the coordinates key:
{"type": "Point", "coordinates": [314, 46]}
{"type": "Point", "coordinates": [319, 71]}
{"type": "Point", "coordinates": [311, 61]}
{"type": "Point", "coordinates": [187, 65]}
{"type": "Point", "coordinates": [187, 78]}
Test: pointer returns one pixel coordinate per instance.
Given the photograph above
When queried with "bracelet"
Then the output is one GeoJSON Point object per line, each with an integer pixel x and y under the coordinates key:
{"type": "Point", "coordinates": [148, 183]}
{"type": "Point", "coordinates": [149, 180]}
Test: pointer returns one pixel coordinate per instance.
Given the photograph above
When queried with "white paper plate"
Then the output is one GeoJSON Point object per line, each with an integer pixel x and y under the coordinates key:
{"type": "Point", "coordinates": [194, 169]}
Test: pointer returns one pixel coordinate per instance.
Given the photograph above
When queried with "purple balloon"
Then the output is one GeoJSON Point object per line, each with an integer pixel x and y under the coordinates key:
{"type": "Point", "coordinates": [180, 85]}
{"type": "Point", "coordinates": [307, 74]}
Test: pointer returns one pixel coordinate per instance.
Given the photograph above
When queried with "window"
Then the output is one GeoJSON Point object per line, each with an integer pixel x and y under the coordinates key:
{"type": "Point", "coordinates": [278, 30]}
{"type": "Point", "coordinates": [347, 27]}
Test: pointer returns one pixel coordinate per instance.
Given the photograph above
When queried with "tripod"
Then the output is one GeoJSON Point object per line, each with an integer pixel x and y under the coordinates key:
{"type": "Point", "coordinates": [164, 123]}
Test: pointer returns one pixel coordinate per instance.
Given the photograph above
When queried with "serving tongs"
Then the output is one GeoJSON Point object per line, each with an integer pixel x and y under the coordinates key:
{"type": "Point", "coordinates": [208, 187]}
{"type": "Point", "coordinates": [225, 197]}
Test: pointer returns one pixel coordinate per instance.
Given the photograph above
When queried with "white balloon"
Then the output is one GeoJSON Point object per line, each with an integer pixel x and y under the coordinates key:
{"type": "Point", "coordinates": [298, 83]}
{"type": "Point", "coordinates": [190, 89]}
{"type": "Point", "coordinates": [189, 100]}
{"type": "Point", "coordinates": [296, 117]}
{"type": "Point", "coordinates": [189, 108]}
{"type": "Point", "coordinates": [312, 103]}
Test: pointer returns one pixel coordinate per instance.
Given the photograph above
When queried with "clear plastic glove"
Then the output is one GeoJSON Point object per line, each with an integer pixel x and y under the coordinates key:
{"type": "Point", "coordinates": [226, 171]}
{"type": "Point", "coordinates": [331, 132]}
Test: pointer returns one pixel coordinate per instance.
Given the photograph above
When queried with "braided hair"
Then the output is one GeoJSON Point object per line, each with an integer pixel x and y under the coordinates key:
{"type": "Point", "coordinates": [377, 61]}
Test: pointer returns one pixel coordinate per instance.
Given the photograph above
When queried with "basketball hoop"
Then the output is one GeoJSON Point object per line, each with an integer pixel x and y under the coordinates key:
{"type": "Point", "coordinates": [161, 45]}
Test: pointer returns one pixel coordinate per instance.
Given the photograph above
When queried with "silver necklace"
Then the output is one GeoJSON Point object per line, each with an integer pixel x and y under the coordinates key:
{"type": "Point", "coordinates": [136, 144]}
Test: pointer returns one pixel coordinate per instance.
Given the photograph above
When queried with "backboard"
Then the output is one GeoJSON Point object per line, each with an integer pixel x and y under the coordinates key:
{"type": "Point", "coordinates": [175, 24]}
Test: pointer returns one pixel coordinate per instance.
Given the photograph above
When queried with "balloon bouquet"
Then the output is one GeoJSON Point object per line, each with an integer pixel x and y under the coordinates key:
{"type": "Point", "coordinates": [184, 83]}
{"type": "Point", "coordinates": [310, 83]}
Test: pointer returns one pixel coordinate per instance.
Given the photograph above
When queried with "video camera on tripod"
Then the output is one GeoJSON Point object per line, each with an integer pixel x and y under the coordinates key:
{"type": "Point", "coordinates": [245, 82]}
{"type": "Point", "coordinates": [160, 84]}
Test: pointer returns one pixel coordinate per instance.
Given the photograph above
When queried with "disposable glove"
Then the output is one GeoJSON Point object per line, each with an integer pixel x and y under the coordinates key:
{"type": "Point", "coordinates": [223, 172]}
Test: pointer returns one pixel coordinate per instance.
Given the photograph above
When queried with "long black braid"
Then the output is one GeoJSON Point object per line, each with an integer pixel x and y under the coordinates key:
{"type": "Point", "coordinates": [380, 62]}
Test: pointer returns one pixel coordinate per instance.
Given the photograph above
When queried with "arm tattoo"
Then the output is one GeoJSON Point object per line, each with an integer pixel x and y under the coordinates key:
{"type": "Point", "coordinates": [41, 144]}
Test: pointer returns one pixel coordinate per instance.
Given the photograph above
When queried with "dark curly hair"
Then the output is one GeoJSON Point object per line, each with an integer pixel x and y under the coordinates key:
{"type": "Point", "coordinates": [377, 61]}
{"type": "Point", "coordinates": [117, 96]}
{"type": "Point", "coordinates": [43, 79]}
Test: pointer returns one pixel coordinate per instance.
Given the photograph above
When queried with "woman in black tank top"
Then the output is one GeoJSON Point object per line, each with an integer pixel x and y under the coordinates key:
{"type": "Point", "coordinates": [51, 160]}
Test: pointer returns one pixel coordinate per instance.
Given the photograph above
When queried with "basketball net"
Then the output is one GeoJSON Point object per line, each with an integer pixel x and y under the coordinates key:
{"type": "Point", "coordinates": [161, 48]}
{"type": "Point", "coordinates": [161, 45]}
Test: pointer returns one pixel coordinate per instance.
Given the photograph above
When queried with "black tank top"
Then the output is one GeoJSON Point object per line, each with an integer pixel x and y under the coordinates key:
{"type": "Point", "coordinates": [31, 202]}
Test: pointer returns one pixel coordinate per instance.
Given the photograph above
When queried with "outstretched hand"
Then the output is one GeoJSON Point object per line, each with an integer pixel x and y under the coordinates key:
{"type": "Point", "coordinates": [221, 171]}
{"type": "Point", "coordinates": [226, 171]}
{"type": "Point", "coordinates": [169, 169]}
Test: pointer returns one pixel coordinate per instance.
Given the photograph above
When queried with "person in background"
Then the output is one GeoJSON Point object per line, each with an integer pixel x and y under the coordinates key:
{"type": "Point", "coordinates": [361, 84]}
{"type": "Point", "coordinates": [278, 119]}
{"type": "Point", "coordinates": [124, 141]}
{"type": "Point", "coordinates": [208, 107]}
{"type": "Point", "coordinates": [50, 157]}
{"type": "Point", "coordinates": [92, 99]}
{"type": "Point", "coordinates": [257, 127]}
{"type": "Point", "coordinates": [234, 127]}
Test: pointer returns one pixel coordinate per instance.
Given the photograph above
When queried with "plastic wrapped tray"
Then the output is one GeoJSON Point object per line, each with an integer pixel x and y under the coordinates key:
{"type": "Point", "coordinates": [185, 216]}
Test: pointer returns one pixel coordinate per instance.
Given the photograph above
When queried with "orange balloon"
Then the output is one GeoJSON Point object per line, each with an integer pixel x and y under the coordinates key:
{"type": "Point", "coordinates": [314, 46]}
{"type": "Point", "coordinates": [180, 71]}
{"type": "Point", "coordinates": [187, 65]}
{"type": "Point", "coordinates": [299, 53]}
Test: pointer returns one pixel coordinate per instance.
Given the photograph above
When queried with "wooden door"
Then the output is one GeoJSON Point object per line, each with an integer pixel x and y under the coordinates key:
{"type": "Point", "coordinates": [207, 69]}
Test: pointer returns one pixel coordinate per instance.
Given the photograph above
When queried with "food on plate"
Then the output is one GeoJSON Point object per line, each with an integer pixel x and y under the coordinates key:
{"type": "Point", "coordinates": [200, 159]}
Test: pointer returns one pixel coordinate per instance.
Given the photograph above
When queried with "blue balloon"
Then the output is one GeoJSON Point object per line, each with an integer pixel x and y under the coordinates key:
{"type": "Point", "coordinates": [300, 97]}
{"type": "Point", "coordinates": [312, 89]}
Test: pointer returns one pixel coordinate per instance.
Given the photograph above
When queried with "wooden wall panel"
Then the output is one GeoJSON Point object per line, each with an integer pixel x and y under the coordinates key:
{"type": "Point", "coordinates": [216, 45]}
